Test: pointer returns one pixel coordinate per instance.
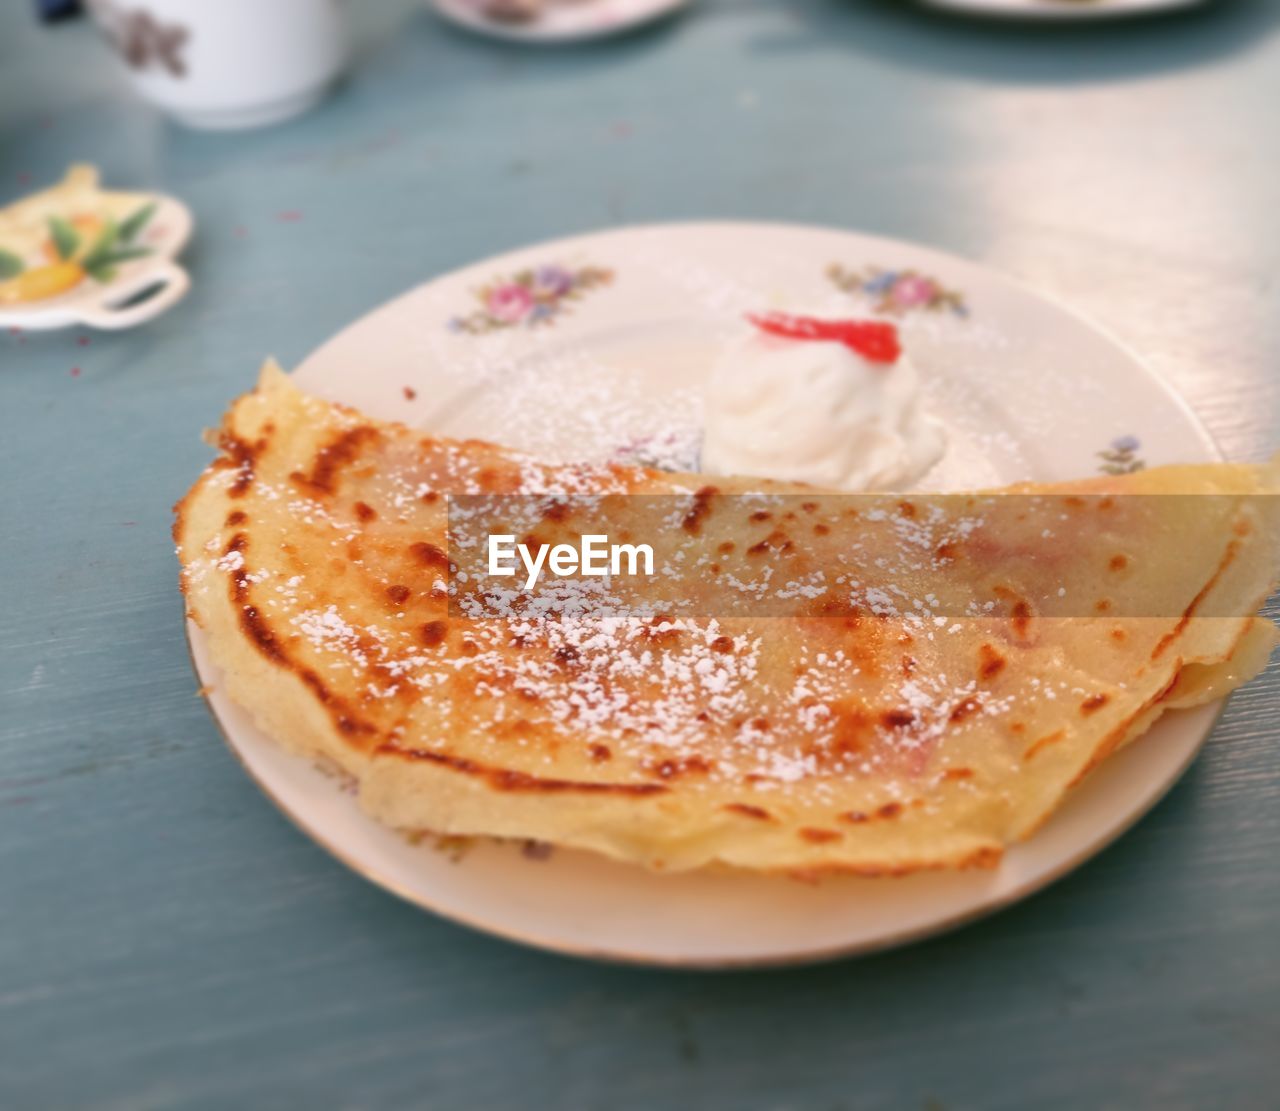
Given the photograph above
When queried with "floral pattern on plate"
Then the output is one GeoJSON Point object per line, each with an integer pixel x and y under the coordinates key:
{"type": "Point", "coordinates": [1121, 456]}
{"type": "Point", "coordinates": [529, 298]}
{"type": "Point", "coordinates": [898, 291]}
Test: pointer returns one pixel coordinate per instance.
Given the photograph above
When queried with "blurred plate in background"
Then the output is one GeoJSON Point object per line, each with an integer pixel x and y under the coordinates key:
{"type": "Point", "coordinates": [559, 20]}
{"type": "Point", "coordinates": [1062, 9]}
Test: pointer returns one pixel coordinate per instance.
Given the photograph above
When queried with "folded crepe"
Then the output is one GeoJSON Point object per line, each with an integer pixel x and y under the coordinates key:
{"type": "Point", "coordinates": [910, 683]}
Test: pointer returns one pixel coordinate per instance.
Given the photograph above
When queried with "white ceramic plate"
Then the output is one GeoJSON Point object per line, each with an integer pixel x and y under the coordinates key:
{"type": "Point", "coordinates": [614, 367]}
{"type": "Point", "coordinates": [1062, 9]}
{"type": "Point", "coordinates": [563, 20]}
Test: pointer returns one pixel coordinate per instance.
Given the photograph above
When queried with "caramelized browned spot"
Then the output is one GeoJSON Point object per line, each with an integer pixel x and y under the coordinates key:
{"type": "Point", "coordinates": [990, 662]}
{"type": "Point", "coordinates": [821, 530]}
{"type": "Point", "coordinates": [557, 511]}
{"type": "Point", "coordinates": [1167, 689]}
{"type": "Point", "coordinates": [897, 719]}
{"type": "Point", "coordinates": [987, 857]}
{"type": "Point", "coordinates": [566, 655]}
{"type": "Point", "coordinates": [674, 769]}
{"type": "Point", "coordinates": [365, 511]}
{"type": "Point", "coordinates": [430, 497]}
{"type": "Point", "coordinates": [334, 457]}
{"type": "Point", "coordinates": [762, 724]}
{"type": "Point", "coordinates": [242, 457]}
{"type": "Point", "coordinates": [966, 709]}
{"type": "Point", "coordinates": [601, 753]}
{"type": "Point", "coordinates": [809, 506]}
{"type": "Point", "coordinates": [1102, 605]}
{"type": "Point", "coordinates": [1021, 618]}
{"type": "Point", "coordinates": [1119, 635]}
{"type": "Point", "coordinates": [262, 636]}
{"type": "Point", "coordinates": [1117, 735]}
{"type": "Point", "coordinates": [820, 836]}
{"type": "Point", "coordinates": [236, 517]}
{"type": "Point", "coordinates": [1118, 562]}
{"type": "Point", "coordinates": [698, 511]}
{"type": "Point", "coordinates": [761, 515]}
{"type": "Point", "coordinates": [251, 621]}
{"type": "Point", "coordinates": [429, 555]}
{"type": "Point", "coordinates": [909, 666]}
{"type": "Point", "coordinates": [505, 779]}
{"type": "Point", "coordinates": [433, 633]}
{"type": "Point", "coordinates": [759, 813]}
{"type": "Point", "coordinates": [777, 540]}
{"type": "Point", "coordinates": [958, 773]}
{"type": "Point", "coordinates": [906, 509]}
{"type": "Point", "coordinates": [398, 593]}
{"type": "Point", "coordinates": [944, 552]}
{"type": "Point", "coordinates": [722, 644]}
{"type": "Point", "coordinates": [857, 817]}
{"type": "Point", "coordinates": [1094, 702]}
{"type": "Point", "coordinates": [1043, 743]}
{"type": "Point", "coordinates": [726, 547]}
{"type": "Point", "coordinates": [852, 729]}
{"type": "Point", "coordinates": [1228, 557]}
{"type": "Point", "coordinates": [889, 810]}
{"type": "Point", "coordinates": [409, 393]}
{"type": "Point", "coordinates": [662, 629]}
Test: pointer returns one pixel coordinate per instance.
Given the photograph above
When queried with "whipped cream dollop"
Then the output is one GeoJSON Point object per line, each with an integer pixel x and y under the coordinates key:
{"type": "Point", "coordinates": [833, 404]}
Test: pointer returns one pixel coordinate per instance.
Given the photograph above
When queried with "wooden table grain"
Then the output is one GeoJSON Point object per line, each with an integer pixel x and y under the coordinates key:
{"type": "Point", "coordinates": [167, 940]}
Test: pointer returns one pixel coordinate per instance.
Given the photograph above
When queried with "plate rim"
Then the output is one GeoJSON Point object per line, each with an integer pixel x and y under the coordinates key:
{"type": "Point", "coordinates": [801, 957]}
{"type": "Point", "coordinates": [1035, 11]}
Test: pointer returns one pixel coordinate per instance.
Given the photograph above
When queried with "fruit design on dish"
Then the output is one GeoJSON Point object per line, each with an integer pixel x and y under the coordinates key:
{"type": "Point", "coordinates": [530, 298]}
{"type": "Point", "coordinates": [835, 403]}
{"type": "Point", "coordinates": [52, 242]}
{"type": "Point", "coordinates": [898, 291]}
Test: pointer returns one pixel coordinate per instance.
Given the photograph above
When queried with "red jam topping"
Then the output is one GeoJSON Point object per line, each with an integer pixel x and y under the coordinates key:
{"type": "Point", "coordinates": [874, 340]}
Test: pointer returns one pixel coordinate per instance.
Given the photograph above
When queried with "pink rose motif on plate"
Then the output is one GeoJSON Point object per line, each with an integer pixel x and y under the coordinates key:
{"type": "Point", "coordinates": [529, 298]}
{"type": "Point", "coordinates": [509, 303]}
{"type": "Point", "coordinates": [912, 290]}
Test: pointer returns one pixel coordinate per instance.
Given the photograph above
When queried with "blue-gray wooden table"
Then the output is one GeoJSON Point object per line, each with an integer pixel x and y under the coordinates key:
{"type": "Point", "coordinates": [167, 939]}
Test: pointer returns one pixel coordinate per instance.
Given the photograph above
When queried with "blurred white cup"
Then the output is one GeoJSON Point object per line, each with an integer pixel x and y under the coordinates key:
{"type": "Point", "coordinates": [228, 63]}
